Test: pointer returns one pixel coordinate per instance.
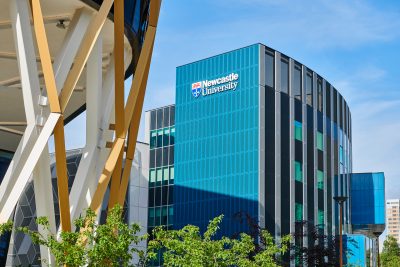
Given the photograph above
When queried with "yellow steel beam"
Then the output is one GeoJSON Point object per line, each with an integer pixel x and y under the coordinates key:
{"type": "Point", "coordinates": [59, 138]}
{"type": "Point", "coordinates": [85, 48]}
{"type": "Point", "coordinates": [119, 67]}
{"type": "Point", "coordinates": [45, 58]}
{"type": "Point", "coordinates": [115, 181]}
{"type": "Point", "coordinates": [119, 94]}
{"type": "Point", "coordinates": [95, 205]}
{"type": "Point", "coordinates": [62, 175]}
{"type": "Point", "coordinates": [138, 81]}
{"type": "Point", "coordinates": [132, 137]}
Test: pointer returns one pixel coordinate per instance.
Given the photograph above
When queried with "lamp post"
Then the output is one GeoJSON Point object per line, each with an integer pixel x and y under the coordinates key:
{"type": "Point", "coordinates": [340, 200]}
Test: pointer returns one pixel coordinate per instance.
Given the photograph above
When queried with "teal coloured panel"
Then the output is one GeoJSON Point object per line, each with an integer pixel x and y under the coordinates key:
{"type": "Point", "coordinates": [217, 128]}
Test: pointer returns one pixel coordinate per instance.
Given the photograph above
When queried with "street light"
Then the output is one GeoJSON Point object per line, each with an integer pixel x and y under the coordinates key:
{"type": "Point", "coordinates": [340, 200]}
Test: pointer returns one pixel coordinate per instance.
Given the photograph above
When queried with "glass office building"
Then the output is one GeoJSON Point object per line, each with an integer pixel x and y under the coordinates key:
{"type": "Point", "coordinates": [260, 133]}
{"type": "Point", "coordinates": [160, 134]}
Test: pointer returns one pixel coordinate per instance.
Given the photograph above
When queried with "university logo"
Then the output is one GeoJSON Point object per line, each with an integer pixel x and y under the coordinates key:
{"type": "Point", "coordinates": [196, 89]}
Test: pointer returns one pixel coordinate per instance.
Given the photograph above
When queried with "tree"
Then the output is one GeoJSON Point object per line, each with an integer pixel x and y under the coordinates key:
{"type": "Point", "coordinates": [92, 244]}
{"type": "Point", "coordinates": [188, 247]}
{"type": "Point", "coordinates": [390, 256]}
{"type": "Point", "coordinates": [322, 249]}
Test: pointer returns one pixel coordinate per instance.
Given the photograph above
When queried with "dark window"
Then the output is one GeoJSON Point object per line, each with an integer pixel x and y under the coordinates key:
{"type": "Point", "coordinates": [328, 100]}
{"type": "Point", "coordinates": [151, 197]}
{"type": "Point", "coordinates": [164, 195]}
{"type": "Point", "coordinates": [297, 82]}
{"type": "Point", "coordinates": [310, 164]}
{"type": "Point", "coordinates": [153, 120]}
{"type": "Point", "coordinates": [166, 117]}
{"type": "Point", "coordinates": [165, 156]}
{"type": "Point", "coordinates": [269, 69]}
{"type": "Point", "coordinates": [284, 76]}
{"type": "Point", "coordinates": [170, 195]}
{"type": "Point", "coordinates": [171, 155]}
{"type": "Point", "coordinates": [309, 88]}
{"type": "Point", "coordinates": [270, 160]}
{"type": "Point", "coordinates": [172, 116]}
{"type": "Point", "coordinates": [159, 118]}
{"type": "Point", "coordinates": [158, 196]}
{"type": "Point", "coordinates": [319, 95]}
{"type": "Point", "coordinates": [158, 157]}
{"type": "Point", "coordinates": [152, 158]}
{"type": "Point", "coordinates": [335, 105]}
{"type": "Point", "coordinates": [340, 112]}
{"type": "Point", "coordinates": [285, 164]}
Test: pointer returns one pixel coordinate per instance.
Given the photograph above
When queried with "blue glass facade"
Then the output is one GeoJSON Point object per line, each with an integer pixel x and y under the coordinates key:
{"type": "Point", "coordinates": [216, 150]}
{"type": "Point", "coordinates": [368, 201]}
{"type": "Point", "coordinates": [355, 248]}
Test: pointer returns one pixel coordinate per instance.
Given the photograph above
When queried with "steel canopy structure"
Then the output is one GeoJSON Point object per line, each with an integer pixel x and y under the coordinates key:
{"type": "Point", "coordinates": [59, 57]}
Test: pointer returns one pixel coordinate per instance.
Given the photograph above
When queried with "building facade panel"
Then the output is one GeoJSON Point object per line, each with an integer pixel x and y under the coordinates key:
{"type": "Point", "coordinates": [217, 136]}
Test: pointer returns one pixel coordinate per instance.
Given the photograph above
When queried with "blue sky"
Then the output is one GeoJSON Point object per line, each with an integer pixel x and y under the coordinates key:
{"type": "Point", "coordinates": [352, 44]}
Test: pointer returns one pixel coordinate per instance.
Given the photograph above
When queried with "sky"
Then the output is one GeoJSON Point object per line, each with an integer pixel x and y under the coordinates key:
{"type": "Point", "coordinates": [353, 44]}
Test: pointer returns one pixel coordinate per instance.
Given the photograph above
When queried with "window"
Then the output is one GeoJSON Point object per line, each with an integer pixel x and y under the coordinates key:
{"type": "Point", "coordinates": [166, 175]}
{"type": "Point", "coordinates": [298, 170]}
{"type": "Point", "coordinates": [297, 82]}
{"type": "Point", "coordinates": [159, 138]}
{"type": "Point", "coordinates": [309, 90]}
{"type": "Point", "coordinates": [157, 216]}
{"type": "Point", "coordinates": [152, 177]}
{"type": "Point", "coordinates": [319, 95]}
{"type": "Point", "coordinates": [269, 69]}
{"type": "Point", "coordinates": [159, 176]}
{"type": "Point", "coordinates": [166, 137]}
{"type": "Point", "coordinates": [320, 141]}
{"type": "Point", "coordinates": [298, 130]}
{"type": "Point", "coordinates": [164, 217]}
{"type": "Point", "coordinates": [172, 136]}
{"type": "Point", "coordinates": [341, 154]}
{"type": "Point", "coordinates": [284, 76]}
{"type": "Point", "coordinates": [298, 212]}
{"type": "Point", "coordinates": [321, 217]}
{"type": "Point", "coordinates": [151, 216]}
{"type": "Point", "coordinates": [170, 215]}
{"type": "Point", "coordinates": [171, 175]}
{"type": "Point", "coordinates": [153, 139]}
{"type": "Point", "coordinates": [320, 179]}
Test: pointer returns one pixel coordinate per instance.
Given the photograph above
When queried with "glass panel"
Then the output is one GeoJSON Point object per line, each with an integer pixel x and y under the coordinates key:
{"type": "Point", "coordinates": [153, 120]}
{"type": "Point", "coordinates": [159, 176]}
{"type": "Point", "coordinates": [298, 171]}
{"type": "Point", "coordinates": [157, 216]}
{"type": "Point", "coordinates": [151, 217]}
{"type": "Point", "coordinates": [152, 177]}
{"type": "Point", "coordinates": [284, 76]}
{"type": "Point", "coordinates": [321, 218]}
{"type": "Point", "coordinates": [172, 173]}
{"type": "Point", "coordinates": [159, 138]}
{"type": "Point", "coordinates": [297, 82]}
{"type": "Point", "coordinates": [153, 139]}
{"type": "Point", "coordinates": [164, 218]}
{"type": "Point", "coordinates": [172, 136]}
{"type": "Point", "coordinates": [166, 137]}
{"type": "Point", "coordinates": [170, 215]}
{"type": "Point", "coordinates": [166, 117]}
{"type": "Point", "coordinates": [320, 141]}
{"type": "Point", "coordinates": [309, 90]}
{"type": "Point", "coordinates": [298, 130]}
{"type": "Point", "coordinates": [159, 118]}
{"type": "Point", "coordinates": [166, 175]}
{"type": "Point", "coordinates": [269, 70]}
{"type": "Point", "coordinates": [320, 179]}
{"type": "Point", "coordinates": [319, 95]}
{"type": "Point", "coordinates": [298, 212]}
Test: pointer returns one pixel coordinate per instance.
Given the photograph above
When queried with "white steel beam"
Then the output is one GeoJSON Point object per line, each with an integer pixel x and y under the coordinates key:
{"type": "Point", "coordinates": [90, 154]}
{"type": "Point", "coordinates": [7, 208]}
